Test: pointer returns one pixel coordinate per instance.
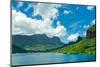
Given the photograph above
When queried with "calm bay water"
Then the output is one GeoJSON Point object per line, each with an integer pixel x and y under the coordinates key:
{"type": "Point", "coordinates": [45, 58]}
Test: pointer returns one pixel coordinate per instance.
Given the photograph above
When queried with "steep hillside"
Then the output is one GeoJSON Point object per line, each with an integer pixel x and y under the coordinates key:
{"type": "Point", "coordinates": [91, 32]}
{"type": "Point", "coordinates": [16, 49]}
{"type": "Point", "coordinates": [36, 42]}
{"type": "Point", "coordinates": [85, 46]}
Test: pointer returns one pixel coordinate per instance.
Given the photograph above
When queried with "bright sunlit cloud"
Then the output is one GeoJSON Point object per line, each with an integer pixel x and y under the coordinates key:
{"type": "Point", "coordinates": [73, 37]}
{"type": "Point", "coordinates": [23, 25]}
{"type": "Point", "coordinates": [67, 22]}
{"type": "Point", "coordinates": [90, 7]}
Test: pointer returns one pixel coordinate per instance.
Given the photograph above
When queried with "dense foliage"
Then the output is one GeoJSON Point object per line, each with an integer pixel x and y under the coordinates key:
{"type": "Point", "coordinates": [85, 46]}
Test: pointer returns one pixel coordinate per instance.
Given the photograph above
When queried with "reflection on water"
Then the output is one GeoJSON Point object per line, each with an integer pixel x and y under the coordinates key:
{"type": "Point", "coordinates": [44, 58]}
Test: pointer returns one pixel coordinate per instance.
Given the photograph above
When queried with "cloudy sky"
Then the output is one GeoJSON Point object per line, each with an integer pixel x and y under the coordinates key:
{"type": "Point", "coordinates": [65, 21]}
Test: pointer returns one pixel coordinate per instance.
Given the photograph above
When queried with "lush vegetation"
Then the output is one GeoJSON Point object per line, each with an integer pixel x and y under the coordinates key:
{"type": "Point", "coordinates": [35, 43]}
{"type": "Point", "coordinates": [93, 28]}
{"type": "Point", "coordinates": [85, 46]}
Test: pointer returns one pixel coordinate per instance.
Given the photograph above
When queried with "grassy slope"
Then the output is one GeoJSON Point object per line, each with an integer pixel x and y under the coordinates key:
{"type": "Point", "coordinates": [85, 46]}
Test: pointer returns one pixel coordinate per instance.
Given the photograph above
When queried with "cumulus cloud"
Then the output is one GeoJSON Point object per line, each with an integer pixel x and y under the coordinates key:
{"type": "Point", "coordinates": [93, 22]}
{"type": "Point", "coordinates": [73, 37]}
{"type": "Point", "coordinates": [84, 34]}
{"type": "Point", "coordinates": [23, 25]}
{"type": "Point", "coordinates": [67, 12]}
{"type": "Point", "coordinates": [86, 26]}
{"type": "Point", "coordinates": [46, 10]}
{"type": "Point", "coordinates": [90, 7]}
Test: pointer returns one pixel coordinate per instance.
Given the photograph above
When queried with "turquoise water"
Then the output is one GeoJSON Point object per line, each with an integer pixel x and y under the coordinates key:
{"type": "Point", "coordinates": [45, 58]}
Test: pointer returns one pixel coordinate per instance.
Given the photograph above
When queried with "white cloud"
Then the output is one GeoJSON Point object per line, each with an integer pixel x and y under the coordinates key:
{"type": "Point", "coordinates": [46, 10]}
{"type": "Point", "coordinates": [93, 22]}
{"type": "Point", "coordinates": [86, 26]}
{"type": "Point", "coordinates": [90, 7]}
{"type": "Point", "coordinates": [67, 12]}
{"type": "Point", "coordinates": [20, 4]}
{"type": "Point", "coordinates": [23, 25]}
{"type": "Point", "coordinates": [84, 34]}
{"type": "Point", "coordinates": [73, 37]}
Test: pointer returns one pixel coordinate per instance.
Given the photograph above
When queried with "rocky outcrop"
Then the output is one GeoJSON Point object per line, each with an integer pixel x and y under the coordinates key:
{"type": "Point", "coordinates": [91, 32]}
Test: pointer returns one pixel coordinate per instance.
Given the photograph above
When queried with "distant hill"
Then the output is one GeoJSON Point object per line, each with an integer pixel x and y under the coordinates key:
{"type": "Point", "coordinates": [16, 49]}
{"type": "Point", "coordinates": [38, 42]}
{"type": "Point", "coordinates": [85, 46]}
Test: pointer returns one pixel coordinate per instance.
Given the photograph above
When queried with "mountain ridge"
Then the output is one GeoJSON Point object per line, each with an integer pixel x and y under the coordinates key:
{"type": "Point", "coordinates": [36, 42]}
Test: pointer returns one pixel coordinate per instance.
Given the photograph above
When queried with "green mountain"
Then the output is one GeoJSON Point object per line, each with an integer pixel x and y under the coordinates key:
{"type": "Point", "coordinates": [86, 46]}
{"type": "Point", "coordinates": [16, 49]}
{"type": "Point", "coordinates": [91, 32]}
{"type": "Point", "coordinates": [92, 29]}
{"type": "Point", "coordinates": [36, 42]}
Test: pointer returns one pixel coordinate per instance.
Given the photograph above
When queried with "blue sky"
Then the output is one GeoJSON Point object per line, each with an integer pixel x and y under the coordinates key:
{"type": "Point", "coordinates": [66, 20]}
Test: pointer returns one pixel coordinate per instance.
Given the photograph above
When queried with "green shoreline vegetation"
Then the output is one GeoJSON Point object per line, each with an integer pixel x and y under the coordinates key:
{"type": "Point", "coordinates": [85, 46]}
